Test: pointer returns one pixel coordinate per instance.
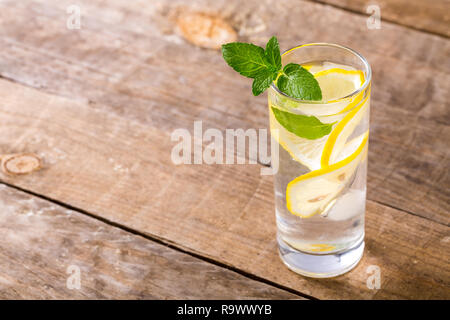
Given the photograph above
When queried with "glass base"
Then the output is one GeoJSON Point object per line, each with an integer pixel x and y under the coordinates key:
{"type": "Point", "coordinates": [320, 265]}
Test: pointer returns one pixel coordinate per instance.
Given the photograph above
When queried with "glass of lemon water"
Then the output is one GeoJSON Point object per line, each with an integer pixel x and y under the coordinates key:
{"type": "Point", "coordinates": [320, 186]}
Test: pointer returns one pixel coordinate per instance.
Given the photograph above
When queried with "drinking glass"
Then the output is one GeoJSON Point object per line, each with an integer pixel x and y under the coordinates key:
{"type": "Point", "coordinates": [320, 186]}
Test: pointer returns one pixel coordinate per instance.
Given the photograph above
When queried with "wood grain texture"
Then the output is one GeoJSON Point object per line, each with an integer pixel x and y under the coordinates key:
{"type": "Point", "coordinates": [128, 59]}
{"type": "Point", "coordinates": [40, 240]}
{"type": "Point", "coordinates": [429, 16]}
{"type": "Point", "coordinates": [121, 170]}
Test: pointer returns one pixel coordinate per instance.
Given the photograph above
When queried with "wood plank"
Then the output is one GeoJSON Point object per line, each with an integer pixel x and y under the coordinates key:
{"type": "Point", "coordinates": [127, 64]}
{"type": "Point", "coordinates": [121, 170]}
{"type": "Point", "coordinates": [41, 240]}
{"type": "Point", "coordinates": [429, 16]}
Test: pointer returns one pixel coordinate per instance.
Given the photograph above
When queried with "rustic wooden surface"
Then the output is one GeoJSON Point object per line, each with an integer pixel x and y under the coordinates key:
{"type": "Point", "coordinates": [101, 108]}
{"type": "Point", "coordinates": [41, 240]}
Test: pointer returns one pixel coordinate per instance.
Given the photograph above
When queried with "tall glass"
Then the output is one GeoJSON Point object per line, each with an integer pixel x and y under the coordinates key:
{"type": "Point", "coordinates": [320, 186]}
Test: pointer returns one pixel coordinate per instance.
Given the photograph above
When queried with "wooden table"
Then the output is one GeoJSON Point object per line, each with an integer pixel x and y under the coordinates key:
{"type": "Point", "coordinates": [98, 104]}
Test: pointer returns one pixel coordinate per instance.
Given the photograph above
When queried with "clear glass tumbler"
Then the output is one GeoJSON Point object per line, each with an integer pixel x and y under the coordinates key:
{"type": "Point", "coordinates": [320, 186]}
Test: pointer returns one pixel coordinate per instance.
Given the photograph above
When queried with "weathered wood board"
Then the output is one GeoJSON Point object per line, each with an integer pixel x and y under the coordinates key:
{"type": "Point", "coordinates": [44, 246]}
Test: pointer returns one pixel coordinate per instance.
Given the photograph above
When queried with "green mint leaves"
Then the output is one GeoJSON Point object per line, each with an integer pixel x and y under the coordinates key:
{"type": "Point", "coordinates": [308, 127]}
{"type": "Point", "coordinates": [273, 54]}
{"type": "Point", "coordinates": [296, 81]}
{"type": "Point", "coordinates": [254, 62]}
{"type": "Point", "coordinates": [262, 81]}
{"type": "Point", "coordinates": [247, 59]}
{"type": "Point", "coordinates": [264, 66]}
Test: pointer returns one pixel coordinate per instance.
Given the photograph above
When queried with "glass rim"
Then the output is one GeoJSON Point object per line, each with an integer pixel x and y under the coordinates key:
{"type": "Point", "coordinates": [354, 93]}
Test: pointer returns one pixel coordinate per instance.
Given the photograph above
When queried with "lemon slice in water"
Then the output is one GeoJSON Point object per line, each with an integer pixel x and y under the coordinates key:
{"type": "Point", "coordinates": [342, 131]}
{"type": "Point", "coordinates": [335, 84]}
{"type": "Point", "coordinates": [315, 67]}
{"type": "Point", "coordinates": [311, 193]}
{"type": "Point", "coordinates": [305, 151]}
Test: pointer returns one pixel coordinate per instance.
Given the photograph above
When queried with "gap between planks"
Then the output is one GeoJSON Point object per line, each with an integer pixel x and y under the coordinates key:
{"type": "Point", "coordinates": [161, 241]}
{"type": "Point", "coordinates": [409, 212]}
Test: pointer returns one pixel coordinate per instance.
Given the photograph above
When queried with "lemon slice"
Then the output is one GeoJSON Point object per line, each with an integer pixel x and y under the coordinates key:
{"type": "Point", "coordinates": [315, 67]}
{"type": "Point", "coordinates": [321, 247]}
{"type": "Point", "coordinates": [336, 83]}
{"type": "Point", "coordinates": [340, 134]}
{"type": "Point", "coordinates": [306, 246]}
{"type": "Point", "coordinates": [313, 192]}
{"type": "Point", "coordinates": [307, 152]}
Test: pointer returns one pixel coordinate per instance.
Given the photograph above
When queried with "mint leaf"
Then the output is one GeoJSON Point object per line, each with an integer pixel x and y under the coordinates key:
{"type": "Point", "coordinates": [273, 53]}
{"type": "Point", "coordinates": [299, 83]}
{"type": "Point", "coordinates": [247, 59]}
{"type": "Point", "coordinates": [308, 127]}
{"type": "Point", "coordinates": [262, 81]}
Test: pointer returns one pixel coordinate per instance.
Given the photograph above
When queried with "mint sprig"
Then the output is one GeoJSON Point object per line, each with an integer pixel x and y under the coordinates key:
{"type": "Point", "coordinates": [264, 67]}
